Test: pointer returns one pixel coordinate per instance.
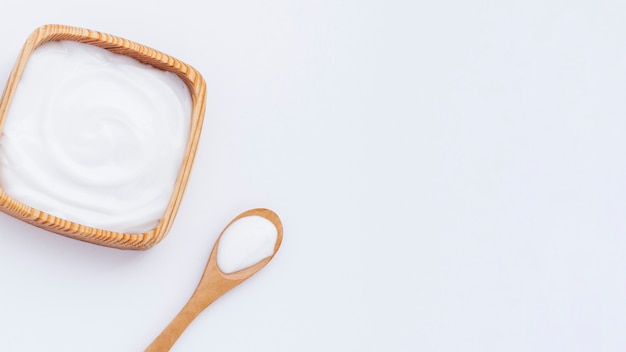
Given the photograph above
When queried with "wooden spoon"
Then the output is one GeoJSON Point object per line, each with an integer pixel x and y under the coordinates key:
{"type": "Point", "coordinates": [213, 284]}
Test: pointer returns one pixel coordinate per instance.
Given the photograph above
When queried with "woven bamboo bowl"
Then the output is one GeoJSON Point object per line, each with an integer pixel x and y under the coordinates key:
{"type": "Point", "coordinates": [143, 54]}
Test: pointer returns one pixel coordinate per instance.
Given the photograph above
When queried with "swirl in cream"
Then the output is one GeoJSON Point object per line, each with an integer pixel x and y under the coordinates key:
{"type": "Point", "coordinates": [95, 137]}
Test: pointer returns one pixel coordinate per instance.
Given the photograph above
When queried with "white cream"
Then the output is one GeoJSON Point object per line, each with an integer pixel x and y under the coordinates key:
{"type": "Point", "coordinates": [95, 137]}
{"type": "Point", "coordinates": [246, 242]}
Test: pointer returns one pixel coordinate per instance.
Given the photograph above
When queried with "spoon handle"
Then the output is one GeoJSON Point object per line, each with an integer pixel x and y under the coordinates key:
{"type": "Point", "coordinates": [181, 321]}
{"type": "Point", "coordinates": [211, 287]}
{"type": "Point", "coordinates": [172, 332]}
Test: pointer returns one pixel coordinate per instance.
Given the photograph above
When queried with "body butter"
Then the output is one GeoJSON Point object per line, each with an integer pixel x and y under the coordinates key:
{"type": "Point", "coordinates": [95, 137]}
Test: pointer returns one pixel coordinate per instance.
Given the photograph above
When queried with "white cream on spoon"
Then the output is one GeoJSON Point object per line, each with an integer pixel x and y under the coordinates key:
{"type": "Point", "coordinates": [95, 137]}
{"type": "Point", "coordinates": [246, 242]}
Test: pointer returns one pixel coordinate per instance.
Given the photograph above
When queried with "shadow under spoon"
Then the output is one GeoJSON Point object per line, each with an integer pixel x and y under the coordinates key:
{"type": "Point", "coordinates": [214, 283]}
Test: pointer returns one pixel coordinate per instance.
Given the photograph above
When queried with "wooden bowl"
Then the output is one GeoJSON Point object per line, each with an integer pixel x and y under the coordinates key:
{"type": "Point", "coordinates": [146, 55]}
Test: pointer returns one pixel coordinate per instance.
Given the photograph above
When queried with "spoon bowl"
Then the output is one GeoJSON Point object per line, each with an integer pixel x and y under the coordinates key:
{"type": "Point", "coordinates": [214, 283]}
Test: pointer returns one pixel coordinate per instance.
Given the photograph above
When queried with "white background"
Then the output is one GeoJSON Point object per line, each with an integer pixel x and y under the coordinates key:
{"type": "Point", "coordinates": [451, 176]}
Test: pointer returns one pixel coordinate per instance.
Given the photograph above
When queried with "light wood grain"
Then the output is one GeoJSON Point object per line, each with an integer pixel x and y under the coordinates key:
{"type": "Point", "coordinates": [146, 55]}
{"type": "Point", "coordinates": [213, 285]}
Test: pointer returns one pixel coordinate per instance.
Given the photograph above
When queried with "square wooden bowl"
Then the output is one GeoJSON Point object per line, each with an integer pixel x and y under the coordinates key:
{"type": "Point", "coordinates": [146, 55]}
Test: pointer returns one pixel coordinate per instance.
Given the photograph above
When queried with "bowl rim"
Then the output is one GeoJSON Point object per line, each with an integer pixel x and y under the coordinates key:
{"type": "Point", "coordinates": [144, 54]}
